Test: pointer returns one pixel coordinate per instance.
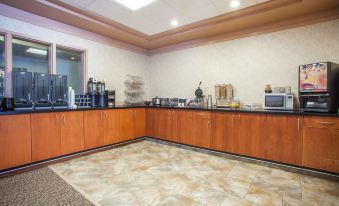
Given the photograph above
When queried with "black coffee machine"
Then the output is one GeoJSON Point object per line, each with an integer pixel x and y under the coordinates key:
{"type": "Point", "coordinates": [59, 91]}
{"type": "Point", "coordinates": [110, 98]}
{"type": "Point", "coordinates": [22, 89]}
{"type": "Point", "coordinates": [42, 91]}
{"type": "Point", "coordinates": [319, 87]}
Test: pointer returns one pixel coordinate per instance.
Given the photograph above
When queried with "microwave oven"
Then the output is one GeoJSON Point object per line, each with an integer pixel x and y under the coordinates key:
{"type": "Point", "coordinates": [278, 101]}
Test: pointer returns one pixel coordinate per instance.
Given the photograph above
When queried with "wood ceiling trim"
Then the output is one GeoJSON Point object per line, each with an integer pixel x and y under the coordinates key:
{"type": "Point", "coordinates": [227, 17]}
{"type": "Point", "coordinates": [262, 18]}
{"type": "Point", "coordinates": [95, 16]}
{"type": "Point", "coordinates": [64, 15]}
{"type": "Point", "coordinates": [254, 31]}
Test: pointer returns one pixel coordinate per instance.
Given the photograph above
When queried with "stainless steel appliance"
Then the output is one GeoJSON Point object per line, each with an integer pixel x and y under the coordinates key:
{"type": "Point", "coordinates": [110, 96]}
{"type": "Point", "coordinates": [164, 102]}
{"type": "Point", "coordinates": [92, 92]}
{"type": "Point", "coordinates": [319, 87]}
{"type": "Point", "coordinates": [59, 91]}
{"type": "Point", "coordinates": [156, 101]}
{"type": "Point", "coordinates": [22, 89]}
{"type": "Point", "coordinates": [42, 91]}
{"type": "Point", "coordinates": [2, 82]}
{"type": "Point", "coordinates": [278, 101]}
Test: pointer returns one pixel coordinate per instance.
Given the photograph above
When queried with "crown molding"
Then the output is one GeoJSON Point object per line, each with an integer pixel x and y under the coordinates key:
{"type": "Point", "coordinates": [267, 17]}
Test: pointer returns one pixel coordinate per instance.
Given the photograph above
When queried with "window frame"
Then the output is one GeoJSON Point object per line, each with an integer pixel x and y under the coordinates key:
{"type": "Point", "coordinates": [83, 66]}
{"type": "Point", "coordinates": [9, 35]}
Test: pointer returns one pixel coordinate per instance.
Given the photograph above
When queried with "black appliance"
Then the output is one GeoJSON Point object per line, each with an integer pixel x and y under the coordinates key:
{"type": "Point", "coordinates": [42, 90]}
{"type": "Point", "coordinates": [59, 91]}
{"type": "Point", "coordinates": [101, 99]}
{"type": "Point", "coordinates": [22, 89]}
{"type": "Point", "coordinates": [7, 104]}
{"type": "Point", "coordinates": [92, 92]}
{"type": "Point", "coordinates": [319, 87]}
{"type": "Point", "coordinates": [110, 98]}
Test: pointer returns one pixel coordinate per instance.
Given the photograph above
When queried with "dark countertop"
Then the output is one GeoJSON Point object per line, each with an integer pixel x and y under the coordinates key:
{"type": "Point", "coordinates": [241, 110]}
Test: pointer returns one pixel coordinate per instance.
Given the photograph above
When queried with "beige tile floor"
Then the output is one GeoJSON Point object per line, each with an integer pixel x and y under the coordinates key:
{"type": "Point", "coordinates": [148, 173]}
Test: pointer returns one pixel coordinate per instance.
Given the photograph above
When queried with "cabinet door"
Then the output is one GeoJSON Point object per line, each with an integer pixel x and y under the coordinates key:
{"type": "Point", "coordinates": [126, 124]}
{"type": "Point", "coordinates": [72, 132]}
{"type": "Point", "coordinates": [251, 140]}
{"type": "Point", "coordinates": [15, 140]}
{"type": "Point", "coordinates": [112, 126]}
{"type": "Point", "coordinates": [94, 128]}
{"type": "Point", "coordinates": [224, 131]}
{"type": "Point", "coordinates": [184, 125]}
{"type": "Point", "coordinates": [140, 125]}
{"type": "Point", "coordinates": [200, 130]}
{"type": "Point", "coordinates": [321, 143]}
{"type": "Point", "coordinates": [45, 135]}
{"type": "Point", "coordinates": [284, 143]}
{"type": "Point", "coordinates": [151, 122]}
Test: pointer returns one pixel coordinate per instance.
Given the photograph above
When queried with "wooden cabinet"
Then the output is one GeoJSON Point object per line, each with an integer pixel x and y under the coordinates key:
{"type": "Point", "coordinates": [46, 131]}
{"type": "Point", "coordinates": [15, 140]}
{"type": "Point", "coordinates": [251, 140]}
{"type": "Point", "coordinates": [139, 123]}
{"type": "Point", "coordinates": [151, 122]}
{"type": "Point", "coordinates": [224, 131]}
{"type": "Point", "coordinates": [127, 121]}
{"type": "Point", "coordinates": [94, 128]}
{"type": "Point", "coordinates": [321, 143]}
{"type": "Point", "coordinates": [111, 126]}
{"type": "Point", "coordinates": [200, 129]}
{"type": "Point", "coordinates": [159, 123]}
{"type": "Point", "coordinates": [72, 132]}
{"type": "Point", "coordinates": [284, 142]}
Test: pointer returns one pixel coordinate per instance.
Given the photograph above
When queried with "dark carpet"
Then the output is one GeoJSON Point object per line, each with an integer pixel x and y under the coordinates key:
{"type": "Point", "coordinates": [39, 187]}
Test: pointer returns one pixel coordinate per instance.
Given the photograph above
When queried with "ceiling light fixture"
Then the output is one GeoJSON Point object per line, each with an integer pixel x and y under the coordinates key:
{"type": "Point", "coordinates": [174, 22]}
{"type": "Point", "coordinates": [234, 4]}
{"type": "Point", "coordinates": [134, 4]}
{"type": "Point", "coordinates": [37, 51]}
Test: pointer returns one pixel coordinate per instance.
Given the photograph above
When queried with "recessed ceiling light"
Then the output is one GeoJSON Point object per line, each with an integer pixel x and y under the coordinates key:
{"type": "Point", "coordinates": [37, 51]}
{"type": "Point", "coordinates": [174, 22]}
{"type": "Point", "coordinates": [72, 58]}
{"type": "Point", "coordinates": [234, 4]}
{"type": "Point", "coordinates": [134, 4]}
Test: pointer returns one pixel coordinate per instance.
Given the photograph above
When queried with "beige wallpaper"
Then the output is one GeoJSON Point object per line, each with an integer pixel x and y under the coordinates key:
{"type": "Point", "coordinates": [104, 62]}
{"type": "Point", "coordinates": [248, 63]}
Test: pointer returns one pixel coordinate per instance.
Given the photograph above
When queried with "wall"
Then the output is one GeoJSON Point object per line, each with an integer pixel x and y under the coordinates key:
{"type": "Point", "coordinates": [248, 63]}
{"type": "Point", "coordinates": [104, 62]}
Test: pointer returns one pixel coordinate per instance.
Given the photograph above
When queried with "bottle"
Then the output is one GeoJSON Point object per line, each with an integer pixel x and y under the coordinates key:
{"type": "Point", "coordinates": [209, 101]}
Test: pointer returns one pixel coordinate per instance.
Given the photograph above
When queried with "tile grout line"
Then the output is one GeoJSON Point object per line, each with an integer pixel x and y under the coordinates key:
{"type": "Point", "coordinates": [78, 189]}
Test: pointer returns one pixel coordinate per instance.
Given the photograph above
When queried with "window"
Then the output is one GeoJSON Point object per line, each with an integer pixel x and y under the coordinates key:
{"type": "Point", "coordinates": [70, 62]}
{"type": "Point", "coordinates": [2, 66]}
{"type": "Point", "coordinates": [30, 56]}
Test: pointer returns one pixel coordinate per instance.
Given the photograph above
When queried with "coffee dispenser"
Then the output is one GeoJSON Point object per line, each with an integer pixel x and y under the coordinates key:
{"type": "Point", "coordinates": [59, 91]}
{"type": "Point", "coordinates": [319, 87]}
{"type": "Point", "coordinates": [42, 90]}
{"type": "Point", "coordinates": [22, 89]}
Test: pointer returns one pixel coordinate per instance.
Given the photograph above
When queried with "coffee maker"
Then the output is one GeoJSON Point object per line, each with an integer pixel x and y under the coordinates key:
{"type": "Point", "coordinates": [110, 98]}
{"type": "Point", "coordinates": [22, 89]}
{"type": "Point", "coordinates": [42, 91]}
{"type": "Point", "coordinates": [319, 87]}
{"type": "Point", "coordinates": [59, 91]}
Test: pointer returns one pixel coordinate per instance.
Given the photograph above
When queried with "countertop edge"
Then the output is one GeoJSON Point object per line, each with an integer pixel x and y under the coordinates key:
{"type": "Point", "coordinates": [258, 111]}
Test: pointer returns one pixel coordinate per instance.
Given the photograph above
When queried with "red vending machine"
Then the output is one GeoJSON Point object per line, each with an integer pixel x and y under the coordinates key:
{"type": "Point", "coordinates": [319, 87]}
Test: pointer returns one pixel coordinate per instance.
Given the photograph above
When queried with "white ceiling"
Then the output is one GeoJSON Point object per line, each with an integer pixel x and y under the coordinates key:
{"type": "Point", "coordinates": [156, 17]}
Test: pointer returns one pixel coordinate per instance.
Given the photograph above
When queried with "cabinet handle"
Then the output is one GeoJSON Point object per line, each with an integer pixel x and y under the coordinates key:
{"type": "Point", "coordinates": [298, 123]}
{"type": "Point", "coordinates": [238, 118]}
{"type": "Point", "coordinates": [326, 123]}
{"type": "Point", "coordinates": [200, 114]}
{"type": "Point", "coordinates": [64, 119]}
{"type": "Point", "coordinates": [105, 115]}
{"type": "Point", "coordinates": [56, 117]}
{"type": "Point", "coordinates": [135, 113]}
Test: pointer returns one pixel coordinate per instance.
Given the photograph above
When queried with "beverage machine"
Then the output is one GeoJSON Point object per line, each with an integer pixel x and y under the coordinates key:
{"type": "Point", "coordinates": [59, 91]}
{"type": "Point", "coordinates": [42, 91]}
{"type": "Point", "coordinates": [22, 89]}
{"type": "Point", "coordinates": [319, 87]}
